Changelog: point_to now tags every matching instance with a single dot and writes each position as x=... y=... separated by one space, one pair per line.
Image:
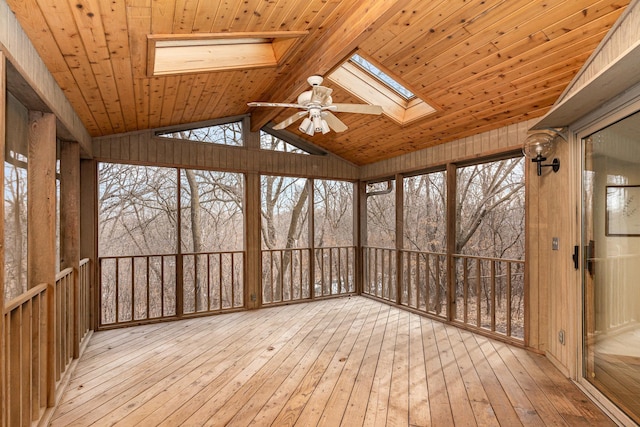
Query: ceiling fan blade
x=334 y=122
x=274 y=104
x=320 y=95
x=291 y=119
x=357 y=108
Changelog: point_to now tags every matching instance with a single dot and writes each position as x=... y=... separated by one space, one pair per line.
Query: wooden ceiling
x=481 y=64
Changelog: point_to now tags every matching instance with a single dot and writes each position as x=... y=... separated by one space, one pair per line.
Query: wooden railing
x=27 y=355
x=84 y=314
x=334 y=271
x=146 y=288
x=489 y=294
x=64 y=320
x=288 y=274
x=424 y=285
x=41 y=342
x=379 y=267
x=213 y=281
x=285 y=275
x=136 y=288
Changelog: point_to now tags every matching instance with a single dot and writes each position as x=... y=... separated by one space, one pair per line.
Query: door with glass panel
x=611 y=273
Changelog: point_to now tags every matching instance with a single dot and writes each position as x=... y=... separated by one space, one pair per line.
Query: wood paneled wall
x=15 y=44
x=146 y=148
x=3 y=108
x=553 y=280
x=481 y=145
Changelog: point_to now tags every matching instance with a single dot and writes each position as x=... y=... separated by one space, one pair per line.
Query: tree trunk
x=196 y=233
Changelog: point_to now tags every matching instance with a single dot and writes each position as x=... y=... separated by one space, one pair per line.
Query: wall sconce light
x=539 y=146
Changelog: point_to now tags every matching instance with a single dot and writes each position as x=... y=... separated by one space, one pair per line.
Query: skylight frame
x=172 y=54
x=365 y=86
x=382 y=77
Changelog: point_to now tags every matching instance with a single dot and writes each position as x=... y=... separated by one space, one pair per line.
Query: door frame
x=609 y=113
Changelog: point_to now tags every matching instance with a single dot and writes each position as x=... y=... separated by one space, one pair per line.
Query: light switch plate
x=555 y=243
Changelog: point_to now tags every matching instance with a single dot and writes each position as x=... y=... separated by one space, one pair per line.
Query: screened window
x=224 y=134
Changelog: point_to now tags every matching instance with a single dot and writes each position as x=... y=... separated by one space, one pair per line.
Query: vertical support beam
x=41 y=223
x=252 y=209
x=179 y=258
x=312 y=238
x=399 y=237
x=70 y=226
x=41 y=208
x=451 y=238
x=252 y=244
x=89 y=231
x=3 y=347
x=360 y=231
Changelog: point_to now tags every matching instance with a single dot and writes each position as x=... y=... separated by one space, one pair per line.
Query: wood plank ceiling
x=481 y=64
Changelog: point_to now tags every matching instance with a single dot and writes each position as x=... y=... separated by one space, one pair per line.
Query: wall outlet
x=561 y=336
x=555 y=244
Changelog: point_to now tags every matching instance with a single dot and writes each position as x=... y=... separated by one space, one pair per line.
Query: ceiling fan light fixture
x=307 y=126
x=325 y=127
x=317 y=123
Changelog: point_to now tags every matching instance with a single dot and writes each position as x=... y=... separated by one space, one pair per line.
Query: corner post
x=41 y=220
x=70 y=226
x=451 y=239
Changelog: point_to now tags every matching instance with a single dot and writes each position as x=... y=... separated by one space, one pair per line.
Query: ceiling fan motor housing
x=315 y=80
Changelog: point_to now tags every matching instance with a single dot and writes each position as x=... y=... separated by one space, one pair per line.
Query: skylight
x=366 y=81
x=198 y=53
x=382 y=76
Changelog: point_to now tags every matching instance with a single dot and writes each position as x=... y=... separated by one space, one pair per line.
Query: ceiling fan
x=317 y=103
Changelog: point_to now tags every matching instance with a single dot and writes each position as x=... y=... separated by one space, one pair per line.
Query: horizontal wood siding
x=146 y=148
x=492 y=142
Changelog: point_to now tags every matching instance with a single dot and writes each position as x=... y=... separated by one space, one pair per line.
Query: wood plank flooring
x=349 y=361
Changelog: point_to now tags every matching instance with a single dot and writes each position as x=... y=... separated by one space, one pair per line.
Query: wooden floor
x=349 y=361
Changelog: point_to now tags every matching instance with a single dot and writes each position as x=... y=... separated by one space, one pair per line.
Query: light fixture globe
x=538 y=147
x=539 y=144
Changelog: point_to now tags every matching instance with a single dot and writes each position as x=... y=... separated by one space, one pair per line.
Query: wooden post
x=399 y=236
x=179 y=259
x=312 y=238
x=252 y=243
x=70 y=226
x=451 y=239
x=89 y=231
x=360 y=231
x=3 y=354
x=41 y=223
x=252 y=240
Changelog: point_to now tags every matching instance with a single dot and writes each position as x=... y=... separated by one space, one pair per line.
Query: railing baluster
x=478 y=293
x=465 y=290
x=427 y=280
x=220 y=281
x=233 y=290
x=148 y=302
x=438 y=296
x=508 y=299
x=162 y=313
x=493 y=296
x=133 y=288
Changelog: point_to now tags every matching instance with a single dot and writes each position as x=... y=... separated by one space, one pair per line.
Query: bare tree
x=15 y=231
